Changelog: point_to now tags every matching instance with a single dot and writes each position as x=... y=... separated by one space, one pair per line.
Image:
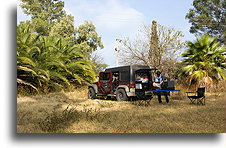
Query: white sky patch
x=187 y=34
x=20 y=14
x=113 y=20
x=110 y=14
x=67 y=11
x=114 y=16
x=108 y=53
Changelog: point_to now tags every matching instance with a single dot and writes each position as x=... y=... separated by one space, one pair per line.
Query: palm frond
x=199 y=74
x=57 y=76
x=25 y=61
x=26 y=69
x=189 y=68
x=19 y=81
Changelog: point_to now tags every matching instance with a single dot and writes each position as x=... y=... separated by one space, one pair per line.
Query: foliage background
x=52 y=54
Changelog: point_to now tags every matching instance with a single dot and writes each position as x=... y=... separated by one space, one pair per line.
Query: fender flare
x=126 y=88
x=94 y=86
x=123 y=87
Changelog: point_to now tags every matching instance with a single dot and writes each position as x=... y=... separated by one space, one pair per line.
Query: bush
x=57 y=121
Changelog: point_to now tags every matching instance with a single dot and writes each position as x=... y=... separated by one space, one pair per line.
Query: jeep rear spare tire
x=121 y=95
x=91 y=93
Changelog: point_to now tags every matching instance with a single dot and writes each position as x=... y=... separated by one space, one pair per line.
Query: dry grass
x=72 y=112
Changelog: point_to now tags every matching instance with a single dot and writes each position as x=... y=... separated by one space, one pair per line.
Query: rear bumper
x=148 y=93
x=133 y=94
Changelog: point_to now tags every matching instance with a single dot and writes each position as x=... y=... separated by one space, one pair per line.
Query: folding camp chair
x=142 y=100
x=199 y=98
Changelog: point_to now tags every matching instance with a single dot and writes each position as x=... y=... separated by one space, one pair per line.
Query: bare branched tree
x=155 y=45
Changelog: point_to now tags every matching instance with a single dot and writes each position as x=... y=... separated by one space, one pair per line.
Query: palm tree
x=204 y=62
x=26 y=72
x=50 y=62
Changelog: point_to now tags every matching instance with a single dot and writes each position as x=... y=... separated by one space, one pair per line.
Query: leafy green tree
x=64 y=27
x=43 y=13
x=50 y=10
x=208 y=17
x=204 y=62
x=41 y=26
x=87 y=37
x=84 y=36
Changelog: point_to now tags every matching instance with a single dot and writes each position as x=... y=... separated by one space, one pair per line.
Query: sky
x=118 y=19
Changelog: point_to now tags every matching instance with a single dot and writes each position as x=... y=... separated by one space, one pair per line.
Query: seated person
x=115 y=81
x=159 y=80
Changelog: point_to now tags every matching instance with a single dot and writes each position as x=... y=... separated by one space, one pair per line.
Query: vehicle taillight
x=132 y=85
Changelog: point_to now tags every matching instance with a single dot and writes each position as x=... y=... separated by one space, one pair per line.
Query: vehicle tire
x=121 y=95
x=91 y=93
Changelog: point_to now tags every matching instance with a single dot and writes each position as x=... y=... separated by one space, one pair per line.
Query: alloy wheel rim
x=120 y=96
x=90 y=93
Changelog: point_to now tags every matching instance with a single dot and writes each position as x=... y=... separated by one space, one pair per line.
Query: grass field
x=72 y=112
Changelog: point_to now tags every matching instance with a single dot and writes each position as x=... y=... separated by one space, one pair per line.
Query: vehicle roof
x=128 y=68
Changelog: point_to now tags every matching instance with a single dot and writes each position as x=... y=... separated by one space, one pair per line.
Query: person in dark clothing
x=115 y=81
x=158 y=81
x=166 y=97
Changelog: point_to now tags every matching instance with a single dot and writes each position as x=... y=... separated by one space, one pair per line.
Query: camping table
x=147 y=102
x=164 y=90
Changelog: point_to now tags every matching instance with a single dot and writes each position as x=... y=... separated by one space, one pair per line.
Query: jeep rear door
x=143 y=80
x=105 y=82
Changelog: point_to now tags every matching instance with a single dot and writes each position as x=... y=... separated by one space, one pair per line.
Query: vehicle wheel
x=121 y=95
x=91 y=93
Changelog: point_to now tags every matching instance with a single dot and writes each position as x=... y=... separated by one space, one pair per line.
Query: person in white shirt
x=158 y=80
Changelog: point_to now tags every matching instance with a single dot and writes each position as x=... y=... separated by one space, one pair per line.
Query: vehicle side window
x=124 y=76
x=104 y=76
